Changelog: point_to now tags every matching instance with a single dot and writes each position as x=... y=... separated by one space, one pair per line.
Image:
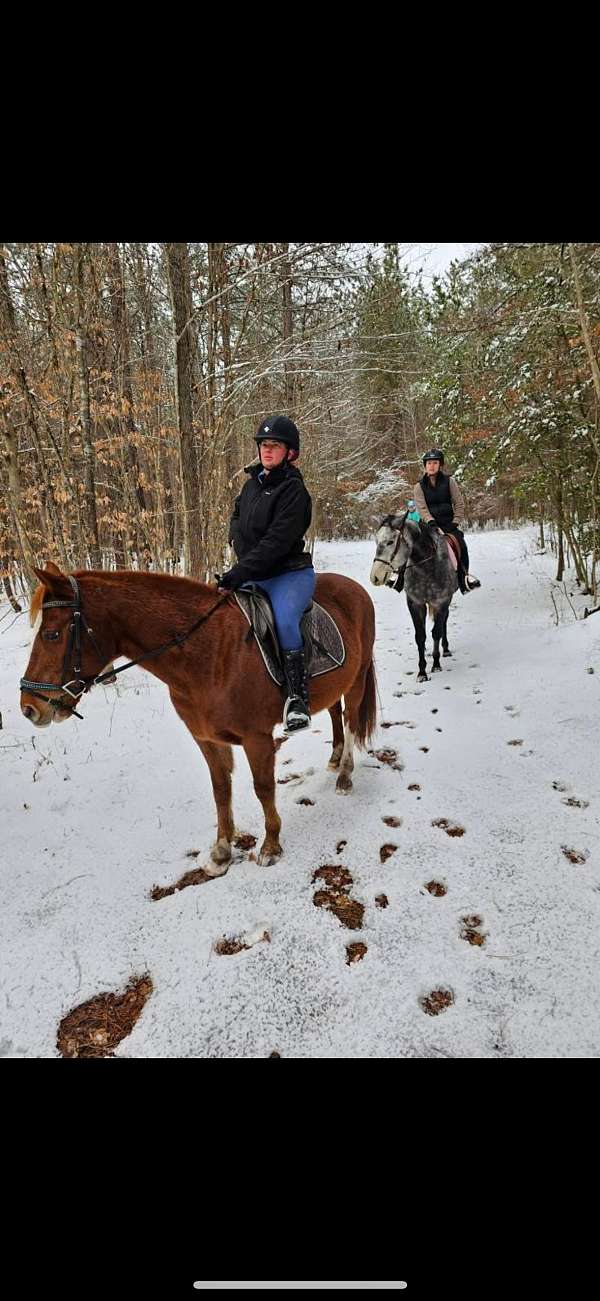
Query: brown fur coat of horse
x=216 y=679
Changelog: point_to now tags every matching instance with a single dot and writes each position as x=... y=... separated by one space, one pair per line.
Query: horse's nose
x=30 y=712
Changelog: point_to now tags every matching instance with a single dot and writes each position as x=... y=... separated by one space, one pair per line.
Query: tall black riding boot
x=296 y=711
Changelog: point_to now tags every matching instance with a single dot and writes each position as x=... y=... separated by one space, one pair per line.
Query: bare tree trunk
x=181 y=297
x=123 y=375
x=288 y=327
x=89 y=460
x=8 y=327
x=15 y=504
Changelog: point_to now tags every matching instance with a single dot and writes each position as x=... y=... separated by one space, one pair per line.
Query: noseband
x=72 y=660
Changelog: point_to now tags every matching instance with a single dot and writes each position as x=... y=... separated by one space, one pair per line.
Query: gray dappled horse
x=430 y=578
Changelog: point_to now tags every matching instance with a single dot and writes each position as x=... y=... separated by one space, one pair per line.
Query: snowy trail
x=96 y=813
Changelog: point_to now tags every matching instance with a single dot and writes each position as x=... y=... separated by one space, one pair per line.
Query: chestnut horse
x=216 y=678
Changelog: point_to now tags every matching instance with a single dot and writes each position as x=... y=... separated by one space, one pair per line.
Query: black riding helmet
x=434 y=454
x=281 y=430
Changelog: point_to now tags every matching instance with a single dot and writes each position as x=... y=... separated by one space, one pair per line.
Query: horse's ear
x=54 y=580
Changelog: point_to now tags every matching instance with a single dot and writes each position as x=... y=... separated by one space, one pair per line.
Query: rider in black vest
x=440 y=504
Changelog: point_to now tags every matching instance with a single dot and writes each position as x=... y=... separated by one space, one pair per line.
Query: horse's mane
x=145 y=579
x=36 y=603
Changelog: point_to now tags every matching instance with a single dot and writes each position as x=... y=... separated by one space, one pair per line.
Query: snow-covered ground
x=95 y=813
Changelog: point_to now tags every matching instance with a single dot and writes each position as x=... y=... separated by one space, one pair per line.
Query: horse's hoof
x=447 y=652
x=343 y=785
x=269 y=855
x=217 y=869
x=436 y=668
x=221 y=856
x=422 y=677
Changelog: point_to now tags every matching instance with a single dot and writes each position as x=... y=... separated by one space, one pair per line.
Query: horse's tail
x=367 y=710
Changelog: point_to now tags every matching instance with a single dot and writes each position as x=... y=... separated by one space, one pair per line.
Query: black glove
x=432 y=524
x=231 y=579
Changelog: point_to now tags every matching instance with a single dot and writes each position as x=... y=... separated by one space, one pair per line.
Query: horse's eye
x=50 y=636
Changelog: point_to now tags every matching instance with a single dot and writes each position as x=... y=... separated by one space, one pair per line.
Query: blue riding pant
x=289 y=595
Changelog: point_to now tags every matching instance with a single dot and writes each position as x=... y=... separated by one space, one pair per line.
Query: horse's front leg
x=220 y=762
x=260 y=752
x=418 y=614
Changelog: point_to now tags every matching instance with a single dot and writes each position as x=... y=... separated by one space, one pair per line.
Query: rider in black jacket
x=270 y=517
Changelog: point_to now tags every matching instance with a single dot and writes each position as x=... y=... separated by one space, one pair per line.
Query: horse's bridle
x=74 y=651
x=390 y=562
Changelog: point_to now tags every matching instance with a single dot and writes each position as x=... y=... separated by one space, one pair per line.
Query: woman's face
x=272 y=453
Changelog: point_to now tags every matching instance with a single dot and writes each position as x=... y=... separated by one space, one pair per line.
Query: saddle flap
x=322 y=640
x=453 y=549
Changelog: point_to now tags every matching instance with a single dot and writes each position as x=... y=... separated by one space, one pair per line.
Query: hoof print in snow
x=348 y=911
x=392 y=821
x=471 y=929
x=355 y=952
x=291 y=777
x=436 y=888
x=197 y=876
x=437 y=1001
x=414 y=787
x=95 y=1028
x=449 y=828
x=386 y=851
x=388 y=756
x=304 y=800
x=435 y=711
x=575 y=855
x=244 y=841
x=333 y=874
x=382 y=900
x=574 y=803
x=517 y=742
x=341 y=844
x=229 y=945
x=559 y=786
x=424 y=748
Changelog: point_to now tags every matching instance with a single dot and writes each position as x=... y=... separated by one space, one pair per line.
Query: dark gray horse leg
x=446 y=648
x=439 y=631
x=417 y=614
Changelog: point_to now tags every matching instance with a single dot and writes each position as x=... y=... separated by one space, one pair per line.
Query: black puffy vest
x=438 y=498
